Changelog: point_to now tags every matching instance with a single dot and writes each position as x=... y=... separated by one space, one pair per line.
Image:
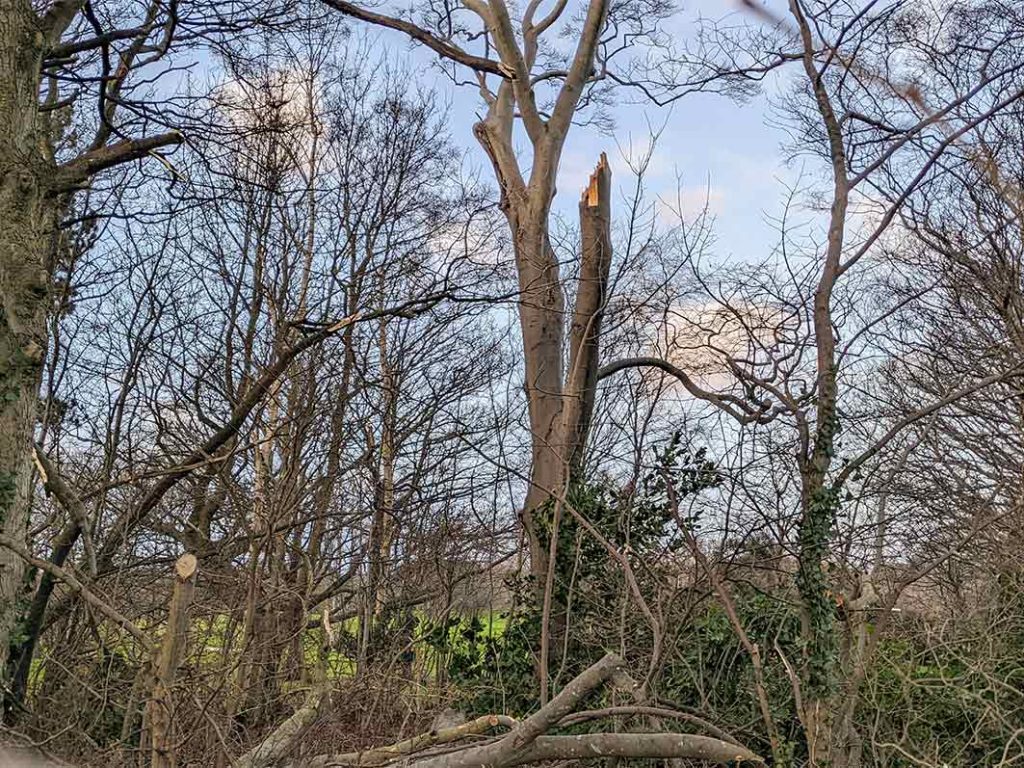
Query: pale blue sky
x=717 y=149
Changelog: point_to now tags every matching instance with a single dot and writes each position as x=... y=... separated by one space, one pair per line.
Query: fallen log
x=528 y=742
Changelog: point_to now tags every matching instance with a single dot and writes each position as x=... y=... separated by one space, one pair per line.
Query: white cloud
x=702 y=338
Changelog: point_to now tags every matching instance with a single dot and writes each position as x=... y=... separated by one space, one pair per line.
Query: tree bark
x=541 y=319
x=21 y=654
x=28 y=215
x=283 y=739
x=588 y=310
x=560 y=400
x=158 y=731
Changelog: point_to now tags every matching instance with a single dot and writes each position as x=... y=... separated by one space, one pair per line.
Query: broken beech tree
x=557 y=395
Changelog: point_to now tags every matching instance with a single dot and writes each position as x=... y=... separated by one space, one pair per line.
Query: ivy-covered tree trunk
x=818 y=618
x=27 y=229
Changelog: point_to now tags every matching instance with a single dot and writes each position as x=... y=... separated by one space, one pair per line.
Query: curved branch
x=890 y=434
x=657 y=712
x=253 y=398
x=730 y=404
x=442 y=48
x=78 y=587
x=63 y=50
x=79 y=170
x=54 y=483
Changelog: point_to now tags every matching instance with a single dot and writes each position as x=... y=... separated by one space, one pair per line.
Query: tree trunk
x=383 y=525
x=22 y=653
x=27 y=227
x=541 y=318
x=588 y=311
x=158 y=730
x=560 y=400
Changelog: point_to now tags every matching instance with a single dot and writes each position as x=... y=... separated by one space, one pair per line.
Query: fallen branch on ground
x=528 y=742
x=382 y=755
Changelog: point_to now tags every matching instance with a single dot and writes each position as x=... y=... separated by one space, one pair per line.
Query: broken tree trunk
x=158 y=728
x=588 y=310
x=578 y=394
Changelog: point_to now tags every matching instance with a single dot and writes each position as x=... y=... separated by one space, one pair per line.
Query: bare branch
x=732 y=405
x=442 y=48
x=79 y=588
x=78 y=171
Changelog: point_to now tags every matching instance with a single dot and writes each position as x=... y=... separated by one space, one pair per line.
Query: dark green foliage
x=497 y=670
x=710 y=672
x=951 y=695
x=954 y=695
x=491 y=664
